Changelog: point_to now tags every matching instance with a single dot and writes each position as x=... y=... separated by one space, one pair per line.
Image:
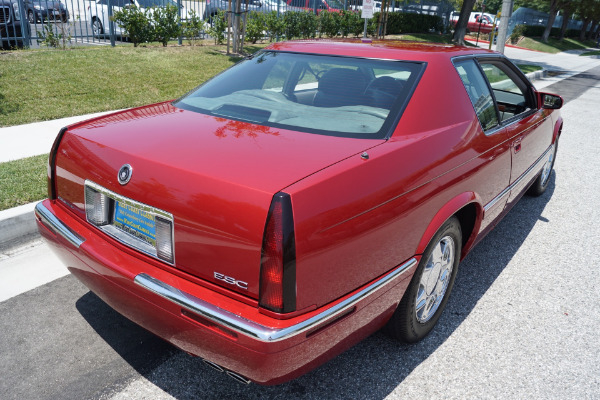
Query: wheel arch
x=558 y=125
x=469 y=211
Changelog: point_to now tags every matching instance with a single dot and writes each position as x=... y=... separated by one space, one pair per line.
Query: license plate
x=135 y=222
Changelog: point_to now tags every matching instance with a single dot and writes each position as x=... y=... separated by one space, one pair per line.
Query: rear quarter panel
x=359 y=218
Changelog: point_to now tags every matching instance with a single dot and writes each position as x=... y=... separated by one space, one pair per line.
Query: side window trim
x=519 y=74
x=496 y=128
x=497 y=59
x=491 y=89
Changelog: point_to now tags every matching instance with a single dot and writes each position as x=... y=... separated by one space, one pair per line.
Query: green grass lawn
x=22 y=181
x=527 y=68
x=423 y=37
x=554 y=45
x=39 y=85
x=591 y=53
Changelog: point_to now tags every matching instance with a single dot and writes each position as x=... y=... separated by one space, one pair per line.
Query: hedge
x=399 y=22
x=538 y=31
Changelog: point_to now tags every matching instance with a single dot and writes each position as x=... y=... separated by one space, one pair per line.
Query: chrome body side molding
x=256 y=330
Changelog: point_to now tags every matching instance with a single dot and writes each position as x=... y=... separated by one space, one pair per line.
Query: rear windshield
x=336 y=96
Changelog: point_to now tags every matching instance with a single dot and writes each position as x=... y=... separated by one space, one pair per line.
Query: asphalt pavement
x=521 y=323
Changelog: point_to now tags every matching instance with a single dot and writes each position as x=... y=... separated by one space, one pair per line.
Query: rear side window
x=335 y=96
x=479 y=93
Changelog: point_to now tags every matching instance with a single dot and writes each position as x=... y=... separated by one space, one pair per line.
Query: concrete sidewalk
x=17 y=225
x=33 y=139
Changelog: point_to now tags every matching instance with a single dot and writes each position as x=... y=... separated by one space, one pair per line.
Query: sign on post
x=367 y=13
x=367 y=9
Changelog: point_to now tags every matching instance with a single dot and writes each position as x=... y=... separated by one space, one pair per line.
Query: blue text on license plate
x=136 y=222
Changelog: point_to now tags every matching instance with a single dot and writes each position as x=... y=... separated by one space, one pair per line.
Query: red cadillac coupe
x=301 y=200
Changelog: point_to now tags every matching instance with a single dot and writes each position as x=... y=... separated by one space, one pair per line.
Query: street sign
x=367 y=9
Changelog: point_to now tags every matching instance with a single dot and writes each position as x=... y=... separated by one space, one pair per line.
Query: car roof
x=384 y=49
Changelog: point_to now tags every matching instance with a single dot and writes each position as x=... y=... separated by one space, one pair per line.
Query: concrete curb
x=535 y=75
x=17 y=226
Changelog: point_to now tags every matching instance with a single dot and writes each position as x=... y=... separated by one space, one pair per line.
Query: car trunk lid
x=216 y=176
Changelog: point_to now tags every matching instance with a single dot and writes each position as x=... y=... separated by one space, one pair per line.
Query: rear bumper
x=200 y=321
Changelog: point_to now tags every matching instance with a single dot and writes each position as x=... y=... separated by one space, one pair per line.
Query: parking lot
x=522 y=320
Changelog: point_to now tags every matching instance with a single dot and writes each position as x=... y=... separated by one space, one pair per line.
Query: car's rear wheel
x=97 y=27
x=540 y=185
x=428 y=292
x=31 y=17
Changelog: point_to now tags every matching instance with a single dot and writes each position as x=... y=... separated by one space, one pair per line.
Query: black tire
x=31 y=17
x=409 y=323
x=540 y=184
x=97 y=28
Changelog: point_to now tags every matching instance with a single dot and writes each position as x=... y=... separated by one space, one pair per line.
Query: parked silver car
x=99 y=13
x=264 y=6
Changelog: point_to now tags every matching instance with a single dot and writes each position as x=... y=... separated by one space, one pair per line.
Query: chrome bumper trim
x=251 y=328
x=526 y=175
x=57 y=226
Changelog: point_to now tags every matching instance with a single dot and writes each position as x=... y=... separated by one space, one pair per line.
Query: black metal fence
x=36 y=23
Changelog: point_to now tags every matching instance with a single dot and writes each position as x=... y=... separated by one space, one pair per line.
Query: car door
x=492 y=145
x=528 y=127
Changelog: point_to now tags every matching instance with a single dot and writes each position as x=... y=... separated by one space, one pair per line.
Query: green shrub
x=351 y=23
x=329 y=23
x=358 y=25
x=273 y=25
x=538 y=31
x=291 y=24
x=49 y=38
x=219 y=25
x=136 y=24
x=55 y=35
x=411 y=23
x=308 y=25
x=255 y=26
x=166 y=23
x=193 y=27
x=516 y=34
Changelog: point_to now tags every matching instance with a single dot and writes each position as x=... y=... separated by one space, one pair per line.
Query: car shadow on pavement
x=370 y=370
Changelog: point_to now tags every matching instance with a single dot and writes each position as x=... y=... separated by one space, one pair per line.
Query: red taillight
x=278 y=261
x=52 y=165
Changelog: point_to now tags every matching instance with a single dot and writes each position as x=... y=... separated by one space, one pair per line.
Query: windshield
x=336 y=96
x=156 y=3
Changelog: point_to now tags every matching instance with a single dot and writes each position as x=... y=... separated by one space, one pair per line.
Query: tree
x=493 y=6
x=554 y=7
x=461 y=25
x=589 y=13
x=567 y=13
